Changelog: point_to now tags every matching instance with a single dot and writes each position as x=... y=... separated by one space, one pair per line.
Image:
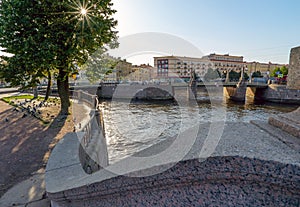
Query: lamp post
x=243 y=72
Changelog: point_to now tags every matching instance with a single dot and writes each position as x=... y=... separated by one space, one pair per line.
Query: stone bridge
x=236 y=91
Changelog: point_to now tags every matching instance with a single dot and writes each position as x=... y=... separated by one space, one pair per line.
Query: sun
x=83 y=11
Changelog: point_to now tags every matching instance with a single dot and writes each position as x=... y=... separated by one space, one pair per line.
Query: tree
x=21 y=36
x=275 y=72
x=211 y=74
x=246 y=76
x=100 y=64
x=283 y=70
x=234 y=76
x=97 y=67
x=50 y=35
x=256 y=74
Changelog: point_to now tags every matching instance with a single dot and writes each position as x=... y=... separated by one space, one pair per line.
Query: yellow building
x=226 y=62
x=264 y=68
x=141 y=73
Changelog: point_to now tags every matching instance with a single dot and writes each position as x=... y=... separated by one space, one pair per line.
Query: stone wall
x=294 y=69
x=281 y=94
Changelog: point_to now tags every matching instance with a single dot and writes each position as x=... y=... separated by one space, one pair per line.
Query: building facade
x=264 y=68
x=226 y=62
x=142 y=73
x=181 y=67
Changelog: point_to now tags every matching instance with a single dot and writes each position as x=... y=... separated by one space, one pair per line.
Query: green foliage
x=234 y=76
x=246 y=76
x=257 y=74
x=283 y=70
x=211 y=74
x=99 y=65
x=21 y=36
x=273 y=73
x=50 y=35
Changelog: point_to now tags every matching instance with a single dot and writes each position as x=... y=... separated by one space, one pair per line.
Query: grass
x=11 y=100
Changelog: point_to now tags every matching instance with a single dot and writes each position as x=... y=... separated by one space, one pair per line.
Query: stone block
x=288 y=122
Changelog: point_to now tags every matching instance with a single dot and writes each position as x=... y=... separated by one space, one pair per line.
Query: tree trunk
x=48 y=90
x=63 y=91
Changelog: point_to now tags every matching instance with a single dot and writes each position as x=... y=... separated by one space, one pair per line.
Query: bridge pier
x=256 y=94
x=237 y=93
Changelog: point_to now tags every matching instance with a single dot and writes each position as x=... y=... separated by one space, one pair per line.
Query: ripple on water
x=133 y=127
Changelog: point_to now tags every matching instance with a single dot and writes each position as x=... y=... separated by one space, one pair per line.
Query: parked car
x=272 y=80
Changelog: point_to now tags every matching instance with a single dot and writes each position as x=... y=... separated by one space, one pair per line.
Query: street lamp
x=243 y=72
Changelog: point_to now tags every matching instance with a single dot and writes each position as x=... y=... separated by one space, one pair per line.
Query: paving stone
x=25 y=192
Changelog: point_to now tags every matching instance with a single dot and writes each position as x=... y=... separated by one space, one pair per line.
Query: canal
x=133 y=126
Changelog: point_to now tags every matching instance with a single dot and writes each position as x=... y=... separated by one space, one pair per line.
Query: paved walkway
x=29 y=193
x=25 y=145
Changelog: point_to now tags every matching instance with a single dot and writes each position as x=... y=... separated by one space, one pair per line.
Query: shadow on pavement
x=25 y=144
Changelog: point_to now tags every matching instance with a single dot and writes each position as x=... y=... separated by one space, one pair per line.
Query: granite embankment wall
x=219 y=181
x=275 y=93
x=92 y=152
x=246 y=169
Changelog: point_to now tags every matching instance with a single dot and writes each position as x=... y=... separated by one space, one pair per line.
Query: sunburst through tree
x=53 y=35
x=84 y=12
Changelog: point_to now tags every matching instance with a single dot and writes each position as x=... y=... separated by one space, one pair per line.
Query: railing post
x=79 y=96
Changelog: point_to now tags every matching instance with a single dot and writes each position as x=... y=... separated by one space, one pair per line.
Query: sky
x=259 y=30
